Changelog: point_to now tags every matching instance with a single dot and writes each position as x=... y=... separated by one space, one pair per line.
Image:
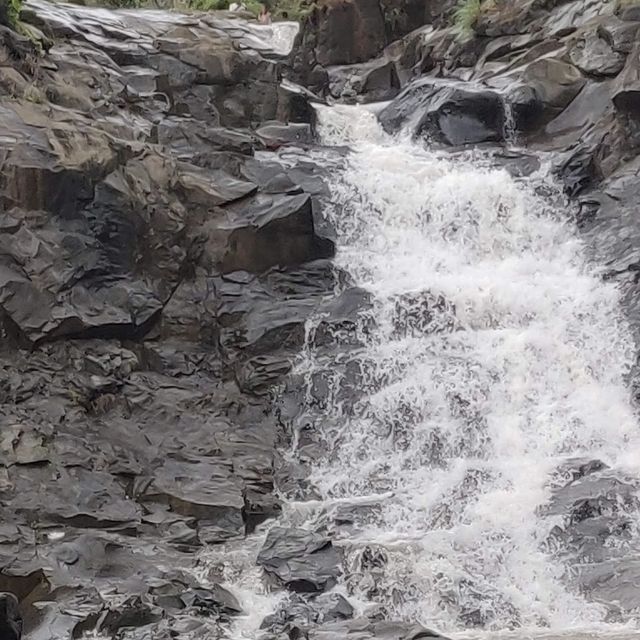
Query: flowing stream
x=494 y=354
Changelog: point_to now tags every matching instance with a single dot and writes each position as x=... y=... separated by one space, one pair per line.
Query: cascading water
x=493 y=354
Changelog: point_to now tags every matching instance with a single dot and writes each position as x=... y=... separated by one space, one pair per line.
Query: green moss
x=33 y=94
x=209 y=5
x=465 y=17
x=10 y=13
x=291 y=9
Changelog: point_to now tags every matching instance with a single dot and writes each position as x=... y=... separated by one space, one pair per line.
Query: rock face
x=10 y=618
x=301 y=560
x=155 y=280
x=348 y=32
x=450 y=113
x=158 y=274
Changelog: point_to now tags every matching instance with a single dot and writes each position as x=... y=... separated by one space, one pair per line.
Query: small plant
x=466 y=16
x=33 y=94
x=10 y=13
x=209 y=5
x=123 y=4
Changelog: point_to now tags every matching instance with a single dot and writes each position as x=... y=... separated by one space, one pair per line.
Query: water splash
x=453 y=427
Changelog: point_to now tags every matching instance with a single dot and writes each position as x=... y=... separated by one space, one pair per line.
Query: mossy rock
x=10 y=13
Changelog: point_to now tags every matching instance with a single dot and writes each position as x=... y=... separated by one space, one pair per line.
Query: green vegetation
x=209 y=5
x=10 y=13
x=466 y=16
x=292 y=9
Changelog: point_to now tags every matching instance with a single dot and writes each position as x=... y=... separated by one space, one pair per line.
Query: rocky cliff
x=156 y=277
x=157 y=271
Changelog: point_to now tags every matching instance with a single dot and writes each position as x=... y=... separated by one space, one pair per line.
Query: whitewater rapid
x=493 y=354
x=461 y=425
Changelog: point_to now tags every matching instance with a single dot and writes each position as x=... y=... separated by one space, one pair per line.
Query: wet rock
x=613 y=235
x=593 y=54
x=275 y=135
x=216 y=600
x=346 y=32
x=189 y=141
x=422 y=313
x=301 y=560
x=296 y=103
x=373 y=81
x=364 y=629
x=351 y=32
x=132 y=613
x=619 y=35
x=447 y=112
x=301 y=612
x=459 y=117
x=626 y=93
x=10 y=618
x=273 y=231
x=283 y=308
x=204 y=490
x=595 y=539
x=525 y=106
x=554 y=82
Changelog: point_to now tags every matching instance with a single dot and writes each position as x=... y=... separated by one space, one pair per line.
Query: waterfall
x=496 y=354
x=493 y=356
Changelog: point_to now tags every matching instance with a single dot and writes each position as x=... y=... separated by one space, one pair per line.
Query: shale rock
x=301 y=560
x=132 y=433
x=447 y=112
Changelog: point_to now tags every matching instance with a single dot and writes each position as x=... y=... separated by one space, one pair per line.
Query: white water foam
x=447 y=450
x=457 y=430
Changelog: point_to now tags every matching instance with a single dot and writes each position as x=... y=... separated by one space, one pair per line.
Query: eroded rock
x=301 y=560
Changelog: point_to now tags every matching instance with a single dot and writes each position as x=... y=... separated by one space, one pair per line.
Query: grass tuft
x=466 y=16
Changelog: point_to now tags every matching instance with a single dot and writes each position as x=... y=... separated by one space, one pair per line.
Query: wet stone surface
x=161 y=273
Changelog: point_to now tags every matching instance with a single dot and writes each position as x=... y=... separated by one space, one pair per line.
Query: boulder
x=592 y=54
x=619 y=35
x=597 y=506
x=345 y=31
x=366 y=629
x=373 y=81
x=301 y=560
x=272 y=230
x=555 y=82
x=348 y=32
x=447 y=112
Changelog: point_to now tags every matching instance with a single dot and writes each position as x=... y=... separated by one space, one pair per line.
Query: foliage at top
x=466 y=16
x=10 y=13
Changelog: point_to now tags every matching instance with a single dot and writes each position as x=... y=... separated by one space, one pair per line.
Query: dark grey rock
x=447 y=112
x=555 y=83
x=593 y=54
x=364 y=629
x=301 y=560
x=619 y=35
x=10 y=618
x=626 y=93
x=373 y=81
x=275 y=134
